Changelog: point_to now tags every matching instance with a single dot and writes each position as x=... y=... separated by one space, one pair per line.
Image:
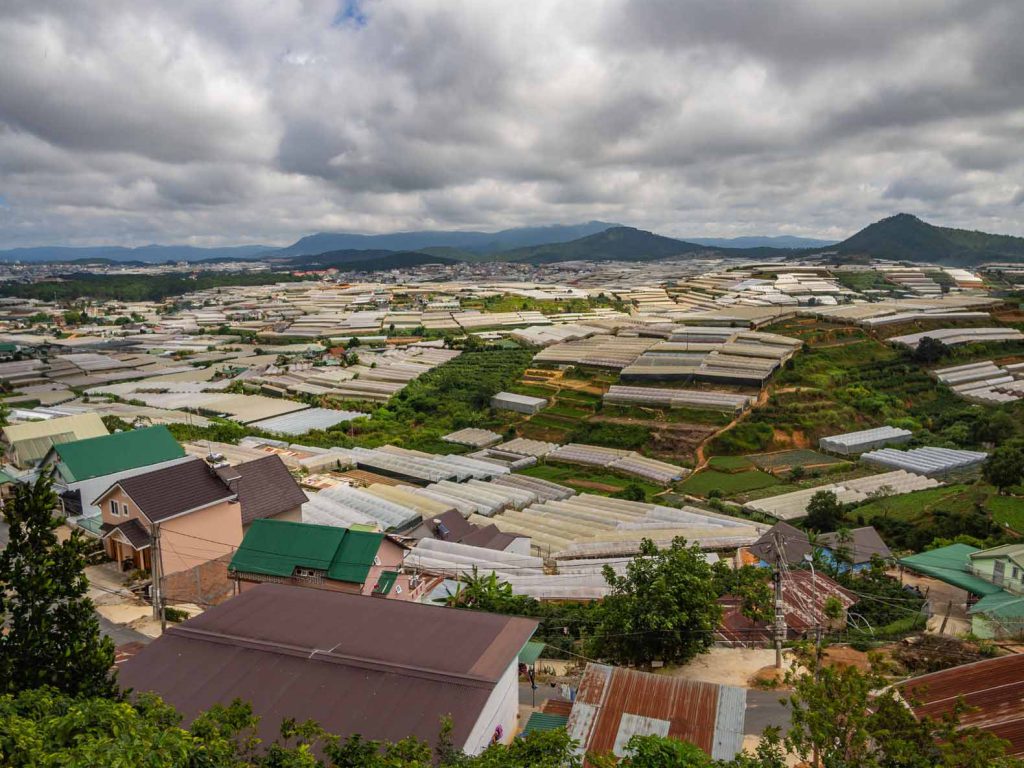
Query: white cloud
x=138 y=121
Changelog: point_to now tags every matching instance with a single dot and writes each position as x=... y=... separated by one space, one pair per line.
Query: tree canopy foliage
x=51 y=632
x=663 y=608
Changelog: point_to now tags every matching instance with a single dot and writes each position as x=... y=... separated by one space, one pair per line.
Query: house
x=853 y=549
x=85 y=468
x=266 y=490
x=323 y=556
x=614 y=704
x=804 y=598
x=28 y=442
x=781 y=539
x=991 y=689
x=181 y=518
x=1002 y=566
x=848 y=550
x=452 y=526
x=384 y=669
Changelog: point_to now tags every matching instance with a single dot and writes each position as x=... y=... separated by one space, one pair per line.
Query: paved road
x=121 y=635
x=544 y=692
x=764 y=709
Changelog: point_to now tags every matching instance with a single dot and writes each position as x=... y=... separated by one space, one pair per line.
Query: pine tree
x=53 y=635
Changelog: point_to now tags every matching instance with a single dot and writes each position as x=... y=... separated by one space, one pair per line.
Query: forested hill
x=906 y=237
x=615 y=244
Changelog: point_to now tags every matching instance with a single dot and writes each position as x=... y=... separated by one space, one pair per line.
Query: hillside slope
x=471 y=242
x=906 y=237
x=615 y=244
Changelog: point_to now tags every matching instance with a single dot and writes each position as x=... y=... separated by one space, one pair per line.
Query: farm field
x=588 y=479
x=800 y=457
x=727 y=483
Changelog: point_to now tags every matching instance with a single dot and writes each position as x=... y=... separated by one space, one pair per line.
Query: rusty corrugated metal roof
x=803 y=598
x=993 y=689
x=614 y=704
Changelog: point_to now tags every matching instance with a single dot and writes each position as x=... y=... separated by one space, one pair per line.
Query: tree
x=46 y=728
x=824 y=512
x=751 y=585
x=664 y=607
x=929 y=350
x=1004 y=467
x=52 y=635
x=993 y=428
x=632 y=492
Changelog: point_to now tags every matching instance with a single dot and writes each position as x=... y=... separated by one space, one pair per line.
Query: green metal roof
x=354 y=557
x=278 y=547
x=385 y=583
x=949 y=564
x=1002 y=605
x=120 y=451
x=543 y=721
x=531 y=652
x=6 y=479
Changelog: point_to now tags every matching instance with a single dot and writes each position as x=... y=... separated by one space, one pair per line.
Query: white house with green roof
x=1002 y=566
x=83 y=469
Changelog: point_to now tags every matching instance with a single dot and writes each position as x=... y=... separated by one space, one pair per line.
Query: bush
x=175 y=615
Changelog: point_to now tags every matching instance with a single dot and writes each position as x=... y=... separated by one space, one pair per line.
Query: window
x=114 y=510
x=376 y=560
x=398 y=589
x=998 y=572
x=1016 y=572
x=305 y=573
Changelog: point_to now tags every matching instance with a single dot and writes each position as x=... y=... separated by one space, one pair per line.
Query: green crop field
x=588 y=479
x=800 y=457
x=730 y=463
x=729 y=484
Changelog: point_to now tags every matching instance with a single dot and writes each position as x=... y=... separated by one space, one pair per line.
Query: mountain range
x=902 y=237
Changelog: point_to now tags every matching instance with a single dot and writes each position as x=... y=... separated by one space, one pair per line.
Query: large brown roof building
x=384 y=669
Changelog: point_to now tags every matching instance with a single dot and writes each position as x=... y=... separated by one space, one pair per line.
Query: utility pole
x=157 y=570
x=780 y=612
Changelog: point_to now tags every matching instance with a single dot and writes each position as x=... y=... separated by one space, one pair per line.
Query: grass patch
x=800 y=457
x=1007 y=511
x=729 y=463
x=910 y=506
x=568 y=411
x=579 y=478
x=729 y=484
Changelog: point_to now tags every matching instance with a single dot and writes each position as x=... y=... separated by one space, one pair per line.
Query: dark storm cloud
x=150 y=120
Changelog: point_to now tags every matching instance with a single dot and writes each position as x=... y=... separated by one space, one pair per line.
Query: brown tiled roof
x=265 y=488
x=132 y=530
x=168 y=492
x=462 y=531
x=385 y=669
x=489 y=537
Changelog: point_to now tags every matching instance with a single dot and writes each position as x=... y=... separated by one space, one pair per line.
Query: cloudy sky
x=174 y=121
